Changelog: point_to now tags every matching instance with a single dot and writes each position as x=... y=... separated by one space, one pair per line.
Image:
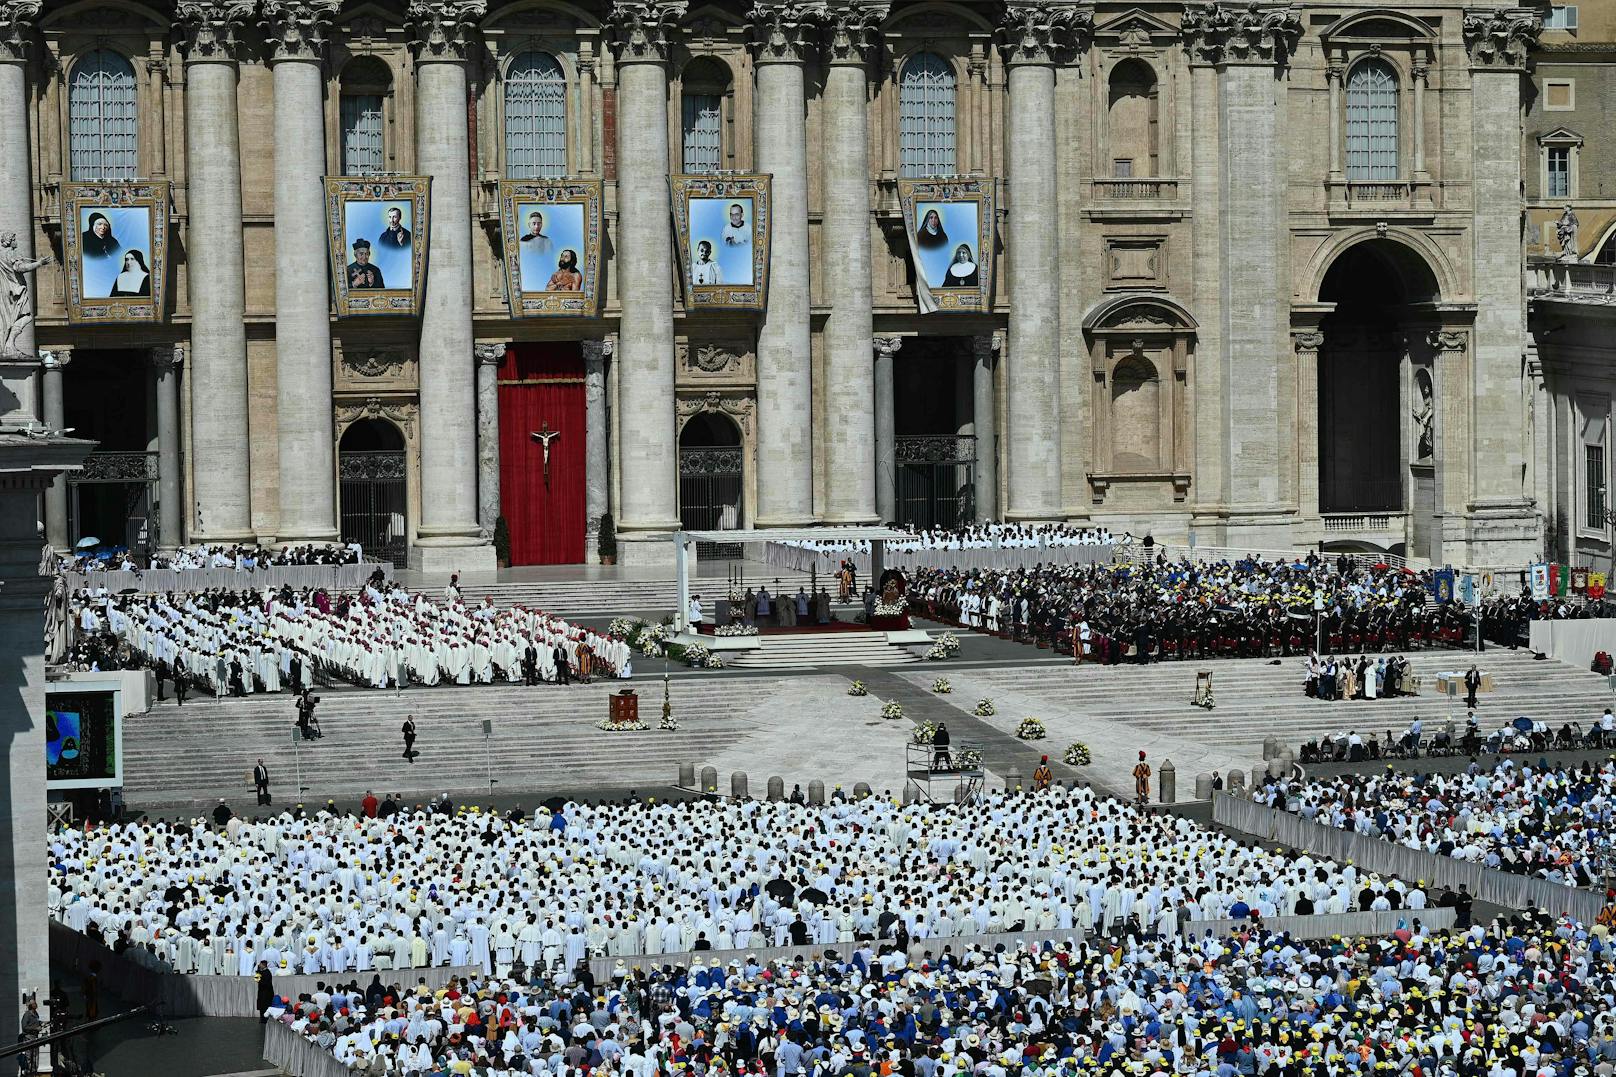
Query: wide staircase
x=809 y=649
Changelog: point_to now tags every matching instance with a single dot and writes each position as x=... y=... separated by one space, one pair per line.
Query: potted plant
x=606 y=542
x=502 y=542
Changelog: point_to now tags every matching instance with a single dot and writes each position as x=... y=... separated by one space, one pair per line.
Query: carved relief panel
x=381 y=367
x=712 y=362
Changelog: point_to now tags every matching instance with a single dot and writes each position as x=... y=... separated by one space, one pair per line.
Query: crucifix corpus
x=544 y=435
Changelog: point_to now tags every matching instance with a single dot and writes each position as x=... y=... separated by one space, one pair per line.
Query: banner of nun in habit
x=377 y=232
x=552 y=247
x=950 y=228
x=722 y=226
x=115 y=244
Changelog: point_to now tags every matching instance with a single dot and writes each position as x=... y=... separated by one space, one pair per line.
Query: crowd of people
x=1181 y=609
x=241 y=642
x=984 y=536
x=1330 y=678
x=243 y=557
x=1552 y=821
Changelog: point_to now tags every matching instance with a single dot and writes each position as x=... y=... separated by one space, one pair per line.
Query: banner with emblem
x=377 y=229
x=949 y=222
x=1540 y=581
x=551 y=231
x=115 y=245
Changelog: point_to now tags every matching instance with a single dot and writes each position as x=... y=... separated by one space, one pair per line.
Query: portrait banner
x=377 y=229
x=722 y=226
x=552 y=232
x=115 y=245
x=949 y=221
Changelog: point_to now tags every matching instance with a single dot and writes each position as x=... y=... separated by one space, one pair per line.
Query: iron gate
x=936 y=480
x=115 y=490
x=374 y=505
x=710 y=497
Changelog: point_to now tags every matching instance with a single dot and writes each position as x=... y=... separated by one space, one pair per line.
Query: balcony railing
x=1135 y=188
x=1572 y=282
x=1358 y=521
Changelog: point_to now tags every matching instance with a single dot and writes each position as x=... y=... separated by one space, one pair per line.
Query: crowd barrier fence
x=163 y=580
x=1385 y=858
x=801 y=559
x=294 y=1053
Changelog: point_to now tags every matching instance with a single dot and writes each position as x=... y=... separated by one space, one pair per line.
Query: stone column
x=1451 y=381
x=597 y=441
x=52 y=363
x=488 y=357
x=449 y=538
x=987 y=435
x=308 y=464
x=648 y=448
x=216 y=277
x=1421 y=73
x=1333 y=75
x=167 y=360
x=849 y=375
x=18 y=393
x=782 y=31
x=1033 y=38
x=886 y=427
x=1307 y=343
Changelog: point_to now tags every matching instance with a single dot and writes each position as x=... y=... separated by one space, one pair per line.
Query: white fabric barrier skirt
x=799 y=559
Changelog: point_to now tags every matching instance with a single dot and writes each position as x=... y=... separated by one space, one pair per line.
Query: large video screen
x=81 y=739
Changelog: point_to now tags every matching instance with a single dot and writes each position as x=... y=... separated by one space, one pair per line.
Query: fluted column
x=168 y=360
x=1033 y=36
x=449 y=538
x=886 y=430
x=52 y=364
x=597 y=441
x=987 y=432
x=488 y=357
x=782 y=35
x=849 y=374
x=644 y=265
x=216 y=278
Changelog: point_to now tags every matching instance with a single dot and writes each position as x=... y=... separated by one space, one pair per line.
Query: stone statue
x=1424 y=419
x=16 y=308
x=1565 y=230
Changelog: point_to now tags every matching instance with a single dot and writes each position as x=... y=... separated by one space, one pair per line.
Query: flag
x=1540 y=581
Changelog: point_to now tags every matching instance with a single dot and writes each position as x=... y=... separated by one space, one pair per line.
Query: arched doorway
x=710 y=480
x=1364 y=456
x=373 y=468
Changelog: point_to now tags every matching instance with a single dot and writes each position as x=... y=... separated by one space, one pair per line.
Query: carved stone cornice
x=1501 y=39
x=296 y=29
x=737 y=406
x=444 y=29
x=850 y=26
x=1216 y=32
x=403 y=413
x=207 y=28
x=167 y=357
x=1447 y=340
x=1043 y=31
x=784 y=30
x=16 y=29
x=640 y=28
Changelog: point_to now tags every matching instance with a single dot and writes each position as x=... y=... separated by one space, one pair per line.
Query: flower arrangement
x=625 y=628
x=949 y=642
x=968 y=759
x=696 y=656
x=938 y=652
x=1030 y=729
x=736 y=630
x=924 y=733
x=941 y=686
x=890 y=609
x=714 y=662
x=984 y=708
x=1077 y=754
x=893 y=710
x=621 y=727
x=668 y=721
x=857 y=689
x=737 y=595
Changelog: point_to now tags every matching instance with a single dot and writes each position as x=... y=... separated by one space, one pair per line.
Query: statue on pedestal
x=1565 y=230
x=16 y=307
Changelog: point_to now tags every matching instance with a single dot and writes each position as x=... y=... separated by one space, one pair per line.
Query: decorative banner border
x=128 y=203
x=951 y=190
x=344 y=192
x=689 y=191
x=515 y=199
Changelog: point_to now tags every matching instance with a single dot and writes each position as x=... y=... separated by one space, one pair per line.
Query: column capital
x=489 y=353
x=167 y=357
x=16 y=29
x=640 y=28
x=1218 y=32
x=597 y=351
x=1043 y=31
x=1500 y=40
x=983 y=345
x=443 y=29
x=887 y=347
x=296 y=28
x=784 y=30
x=1307 y=340
x=849 y=26
x=207 y=28
x=1447 y=340
x=56 y=357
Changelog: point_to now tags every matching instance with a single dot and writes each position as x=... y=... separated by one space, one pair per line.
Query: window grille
x=535 y=117
x=1372 y=149
x=102 y=127
x=926 y=116
x=703 y=132
x=362 y=147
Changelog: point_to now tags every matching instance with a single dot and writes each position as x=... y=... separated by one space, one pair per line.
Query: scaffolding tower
x=953 y=775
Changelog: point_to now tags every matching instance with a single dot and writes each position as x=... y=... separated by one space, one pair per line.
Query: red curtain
x=541 y=387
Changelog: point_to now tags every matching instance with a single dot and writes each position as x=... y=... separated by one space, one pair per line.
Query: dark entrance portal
x=935 y=450
x=374 y=500
x=710 y=481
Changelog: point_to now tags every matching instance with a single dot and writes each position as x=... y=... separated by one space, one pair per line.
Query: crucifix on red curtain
x=544 y=435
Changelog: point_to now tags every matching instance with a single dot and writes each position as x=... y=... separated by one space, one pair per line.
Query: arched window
x=926 y=116
x=102 y=128
x=1372 y=122
x=366 y=85
x=535 y=117
x=1134 y=122
x=704 y=89
x=1135 y=415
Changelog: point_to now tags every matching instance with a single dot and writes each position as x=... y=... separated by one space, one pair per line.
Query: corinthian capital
x=296 y=28
x=783 y=30
x=1043 y=31
x=208 y=28
x=443 y=29
x=1218 y=32
x=16 y=28
x=1501 y=38
x=640 y=28
x=850 y=29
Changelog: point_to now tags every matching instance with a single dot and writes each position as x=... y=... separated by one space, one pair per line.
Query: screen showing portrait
x=81 y=738
x=721 y=241
x=380 y=242
x=551 y=246
x=115 y=247
x=946 y=237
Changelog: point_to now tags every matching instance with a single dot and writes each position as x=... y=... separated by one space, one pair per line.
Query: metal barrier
x=294 y=1053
